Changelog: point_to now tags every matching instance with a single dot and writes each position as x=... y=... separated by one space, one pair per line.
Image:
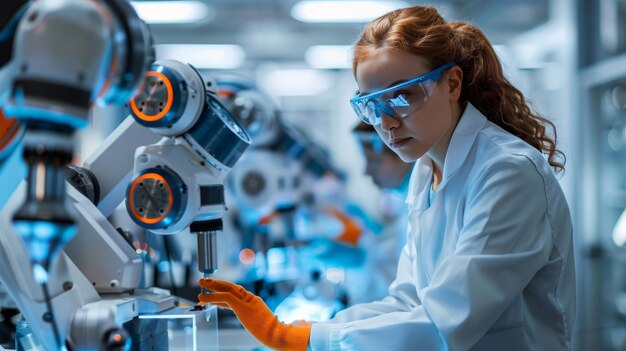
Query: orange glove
x=351 y=231
x=255 y=316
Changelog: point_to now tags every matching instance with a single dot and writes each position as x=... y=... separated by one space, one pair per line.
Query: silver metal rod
x=207 y=252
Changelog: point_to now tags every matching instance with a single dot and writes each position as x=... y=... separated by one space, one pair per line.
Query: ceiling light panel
x=160 y=12
x=343 y=11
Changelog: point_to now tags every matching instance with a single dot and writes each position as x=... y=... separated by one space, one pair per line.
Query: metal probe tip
x=206 y=275
x=199 y=306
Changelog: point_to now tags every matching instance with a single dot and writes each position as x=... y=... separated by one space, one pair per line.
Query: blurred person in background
x=383 y=247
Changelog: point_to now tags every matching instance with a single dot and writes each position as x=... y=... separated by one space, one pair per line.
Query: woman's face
x=414 y=135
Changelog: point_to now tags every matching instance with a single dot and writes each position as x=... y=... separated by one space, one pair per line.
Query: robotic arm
x=186 y=142
x=173 y=183
x=178 y=182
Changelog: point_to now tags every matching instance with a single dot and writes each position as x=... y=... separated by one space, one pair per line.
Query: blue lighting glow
x=163 y=266
x=43 y=240
x=40 y=274
x=39 y=250
x=297 y=307
x=27 y=113
x=276 y=256
x=67 y=234
x=43 y=230
x=12 y=171
x=22 y=228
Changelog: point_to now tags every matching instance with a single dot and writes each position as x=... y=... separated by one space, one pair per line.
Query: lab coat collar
x=463 y=137
x=420 y=178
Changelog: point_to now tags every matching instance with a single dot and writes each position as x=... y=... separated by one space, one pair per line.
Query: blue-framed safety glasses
x=399 y=100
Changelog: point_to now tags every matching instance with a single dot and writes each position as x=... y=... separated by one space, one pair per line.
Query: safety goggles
x=399 y=100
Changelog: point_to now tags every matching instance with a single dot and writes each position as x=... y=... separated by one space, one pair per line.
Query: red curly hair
x=422 y=31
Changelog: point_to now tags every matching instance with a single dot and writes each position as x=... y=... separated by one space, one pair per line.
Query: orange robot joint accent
x=132 y=194
x=168 y=104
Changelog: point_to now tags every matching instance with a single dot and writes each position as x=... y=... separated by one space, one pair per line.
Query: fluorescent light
x=172 y=11
x=223 y=56
x=343 y=11
x=329 y=56
x=296 y=82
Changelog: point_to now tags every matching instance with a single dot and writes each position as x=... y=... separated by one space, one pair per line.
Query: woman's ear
x=454 y=78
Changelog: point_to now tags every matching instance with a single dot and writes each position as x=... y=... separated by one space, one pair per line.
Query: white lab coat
x=488 y=266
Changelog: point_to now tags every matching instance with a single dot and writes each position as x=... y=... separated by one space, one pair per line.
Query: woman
x=489 y=262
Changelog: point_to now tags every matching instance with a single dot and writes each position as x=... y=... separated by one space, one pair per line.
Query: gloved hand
x=351 y=230
x=255 y=316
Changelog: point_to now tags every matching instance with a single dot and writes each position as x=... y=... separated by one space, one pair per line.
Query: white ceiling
x=268 y=33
